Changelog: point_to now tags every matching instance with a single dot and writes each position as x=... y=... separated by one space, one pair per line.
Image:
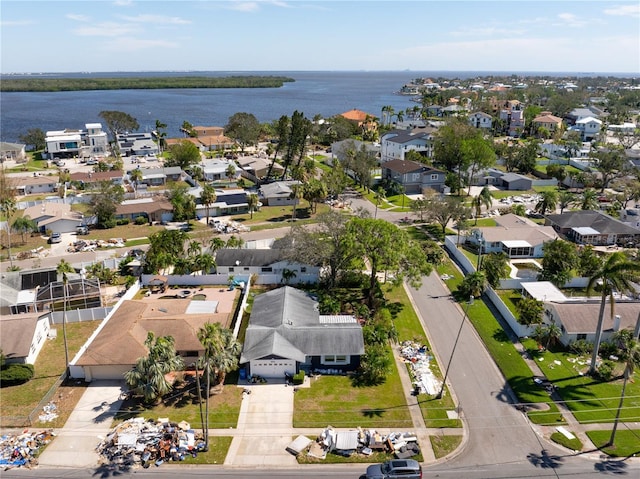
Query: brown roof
x=403 y=166
x=208 y=130
x=356 y=115
x=159 y=203
x=35 y=180
x=48 y=209
x=582 y=318
x=547 y=119
x=121 y=341
x=17 y=334
x=96 y=176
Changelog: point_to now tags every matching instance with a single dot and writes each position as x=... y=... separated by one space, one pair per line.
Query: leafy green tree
x=496 y=267
x=360 y=161
x=336 y=180
x=433 y=252
x=556 y=171
x=589 y=262
x=374 y=366
x=24 y=224
x=314 y=191
x=148 y=378
x=610 y=164
x=617 y=273
x=530 y=311
x=479 y=154
x=548 y=201
x=208 y=197
x=118 y=122
x=184 y=205
x=164 y=248
x=451 y=150
x=525 y=157
x=64 y=268
x=35 y=138
x=420 y=206
x=244 y=128
x=444 y=210
x=184 y=154
x=559 y=260
x=473 y=284
x=105 y=203
x=230 y=172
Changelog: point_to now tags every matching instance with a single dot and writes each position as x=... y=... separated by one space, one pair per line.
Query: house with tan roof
x=31 y=185
x=119 y=341
x=156 y=209
x=23 y=336
x=91 y=179
x=54 y=217
x=548 y=121
x=514 y=235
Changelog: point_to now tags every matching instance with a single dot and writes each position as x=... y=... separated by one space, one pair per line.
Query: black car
x=395 y=469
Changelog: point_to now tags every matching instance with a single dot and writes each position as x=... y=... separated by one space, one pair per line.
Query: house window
x=246 y=268
x=581 y=336
x=267 y=269
x=434 y=177
x=335 y=359
x=231 y=270
x=303 y=269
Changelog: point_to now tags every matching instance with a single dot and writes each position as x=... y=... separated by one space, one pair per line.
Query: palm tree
x=136 y=177
x=234 y=242
x=64 y=268
x=632 y=359
x=161 y=135
x=288 y=275
x=215 y=244
x=483 y=199
x=203 y=263
x=296 y=193
x=8 y=208
x=473 y=284
x=547 y=202
x=221 y=354
x=208 y=197
x=565 y=200
x=24 y=224
x=589 y=200
x=553 y=333
x=616 y=273
x=230 y=172
x=252 y=202
x=379 y=196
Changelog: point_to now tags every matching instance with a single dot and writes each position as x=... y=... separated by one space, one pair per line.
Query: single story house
x=278 y=193
x=516 y=181
x=119 y=342
x=229 y=201
x=579 y=320
x=54 y=217
x=414 y=177
x=160 y=176
x=264 y=262
x=31 y=185
x=12 y=151
x=286 y=333
x=514 y=235
x=22 y=337
x=91 y=179
x=593 y=227
x=216 y=170
x=480 y=119
x=257 y=167
x=155 y=210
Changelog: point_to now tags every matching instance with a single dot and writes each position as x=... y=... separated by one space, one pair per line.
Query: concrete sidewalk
x=75 y=444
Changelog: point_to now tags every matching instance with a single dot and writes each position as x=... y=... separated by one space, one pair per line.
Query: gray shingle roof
x=597 y=220
x=248 y=257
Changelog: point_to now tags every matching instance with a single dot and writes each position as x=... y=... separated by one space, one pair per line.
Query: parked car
x=55 y=238
x=58 y=163
x=92 y=161
x=82 y=230
x=395 y=469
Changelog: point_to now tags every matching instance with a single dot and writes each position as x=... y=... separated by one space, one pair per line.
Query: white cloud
x=624 y=10
x=16 y=23
x=488 y=31
x=156 y=19
x=77 y=17
x=570 y=20
x=106 y=29
x=123 y=3
x=244 y=6
x=131 y=44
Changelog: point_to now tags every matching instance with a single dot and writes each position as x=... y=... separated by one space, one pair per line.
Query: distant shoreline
x=33 y=84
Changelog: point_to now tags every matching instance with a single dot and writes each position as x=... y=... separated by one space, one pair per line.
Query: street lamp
x=446 y=373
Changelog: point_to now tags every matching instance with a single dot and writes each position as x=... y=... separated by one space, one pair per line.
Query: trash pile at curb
x=424 y=381
x=142 y=442
x=19 y=450
x=49 y=412
x=365 y=442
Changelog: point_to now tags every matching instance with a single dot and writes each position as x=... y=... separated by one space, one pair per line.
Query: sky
x=297 y=35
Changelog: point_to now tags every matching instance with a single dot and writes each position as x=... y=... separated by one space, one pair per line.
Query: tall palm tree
x=589 y=199
x=161 y=135
x=632 y=359
x=8 y=208
x=616 y=273
x=547 y=202
x=208 y=197
x=565 y=200
x=379 y=196
x=252 y=202
x=63 y=269
x=483 y=199
x=215 y=244
x=136 y=177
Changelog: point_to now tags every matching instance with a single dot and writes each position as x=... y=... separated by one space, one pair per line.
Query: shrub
x=581 y=346
x=298 y=378
x=608 y=349
x=122 y=222
x=140 y=220
x=14 y=374
x=605 y=370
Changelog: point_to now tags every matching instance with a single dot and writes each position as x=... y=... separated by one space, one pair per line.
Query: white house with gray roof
x=287 y=333
x=278 y=193
x=395 y=144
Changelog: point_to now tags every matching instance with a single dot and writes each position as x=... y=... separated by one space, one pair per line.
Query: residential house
x=513 y=118
x=480 y=119
x=278 y=193
x=95 y=139
x=516 y=236
x=255 y=168
x=212 y=138
x=286 y=333
x=31 y=185
x=12 y=151
x=592 y=227
x=414 y=177
x=23 y=336
x=119 y=342
x=92 y=179
x=547 y=121
x=362 y=119
x=396 y=143
x=216 y=170
x=578 y=321
x=271 y=262
x=155 y=210
x=54 y=217
x=137 y=144
x=229 y=201
x=434 y=111
x=63 y=143
x=579 y=114
x=453 y=110
x=160 y=176
x=516 y=181
x=588 y=128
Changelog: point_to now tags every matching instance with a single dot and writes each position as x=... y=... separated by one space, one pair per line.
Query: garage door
x=273 y=368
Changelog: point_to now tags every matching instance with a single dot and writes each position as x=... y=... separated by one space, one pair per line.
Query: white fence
x=223 y=279
x=79 y=315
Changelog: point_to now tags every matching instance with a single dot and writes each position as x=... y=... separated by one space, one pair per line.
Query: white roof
x=589 y=119
x=64 y=138
x=202 y=307
x=93 y=125
x=26 y=296
x=516 y=244
x=585 y=230
x=336 y=319
x=544 y=291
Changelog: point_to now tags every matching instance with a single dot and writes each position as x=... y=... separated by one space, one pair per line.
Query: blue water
x=323 y=93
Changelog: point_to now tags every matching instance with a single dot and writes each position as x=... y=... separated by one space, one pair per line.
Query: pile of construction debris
x=20 y=450
x=141 y=442
x=365 y=442
x=417 y=355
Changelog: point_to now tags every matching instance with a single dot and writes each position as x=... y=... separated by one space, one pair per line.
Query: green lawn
x=626 y=444
x=482 y=222
x=335 y=400
x=218 y=448
x=510 y=297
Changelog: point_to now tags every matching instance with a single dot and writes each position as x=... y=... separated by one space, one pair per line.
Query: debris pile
x=424 y=381
x=18 y=450
x=49 y=412
x=227 y=226
x=360 y=441
x=140 y=442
